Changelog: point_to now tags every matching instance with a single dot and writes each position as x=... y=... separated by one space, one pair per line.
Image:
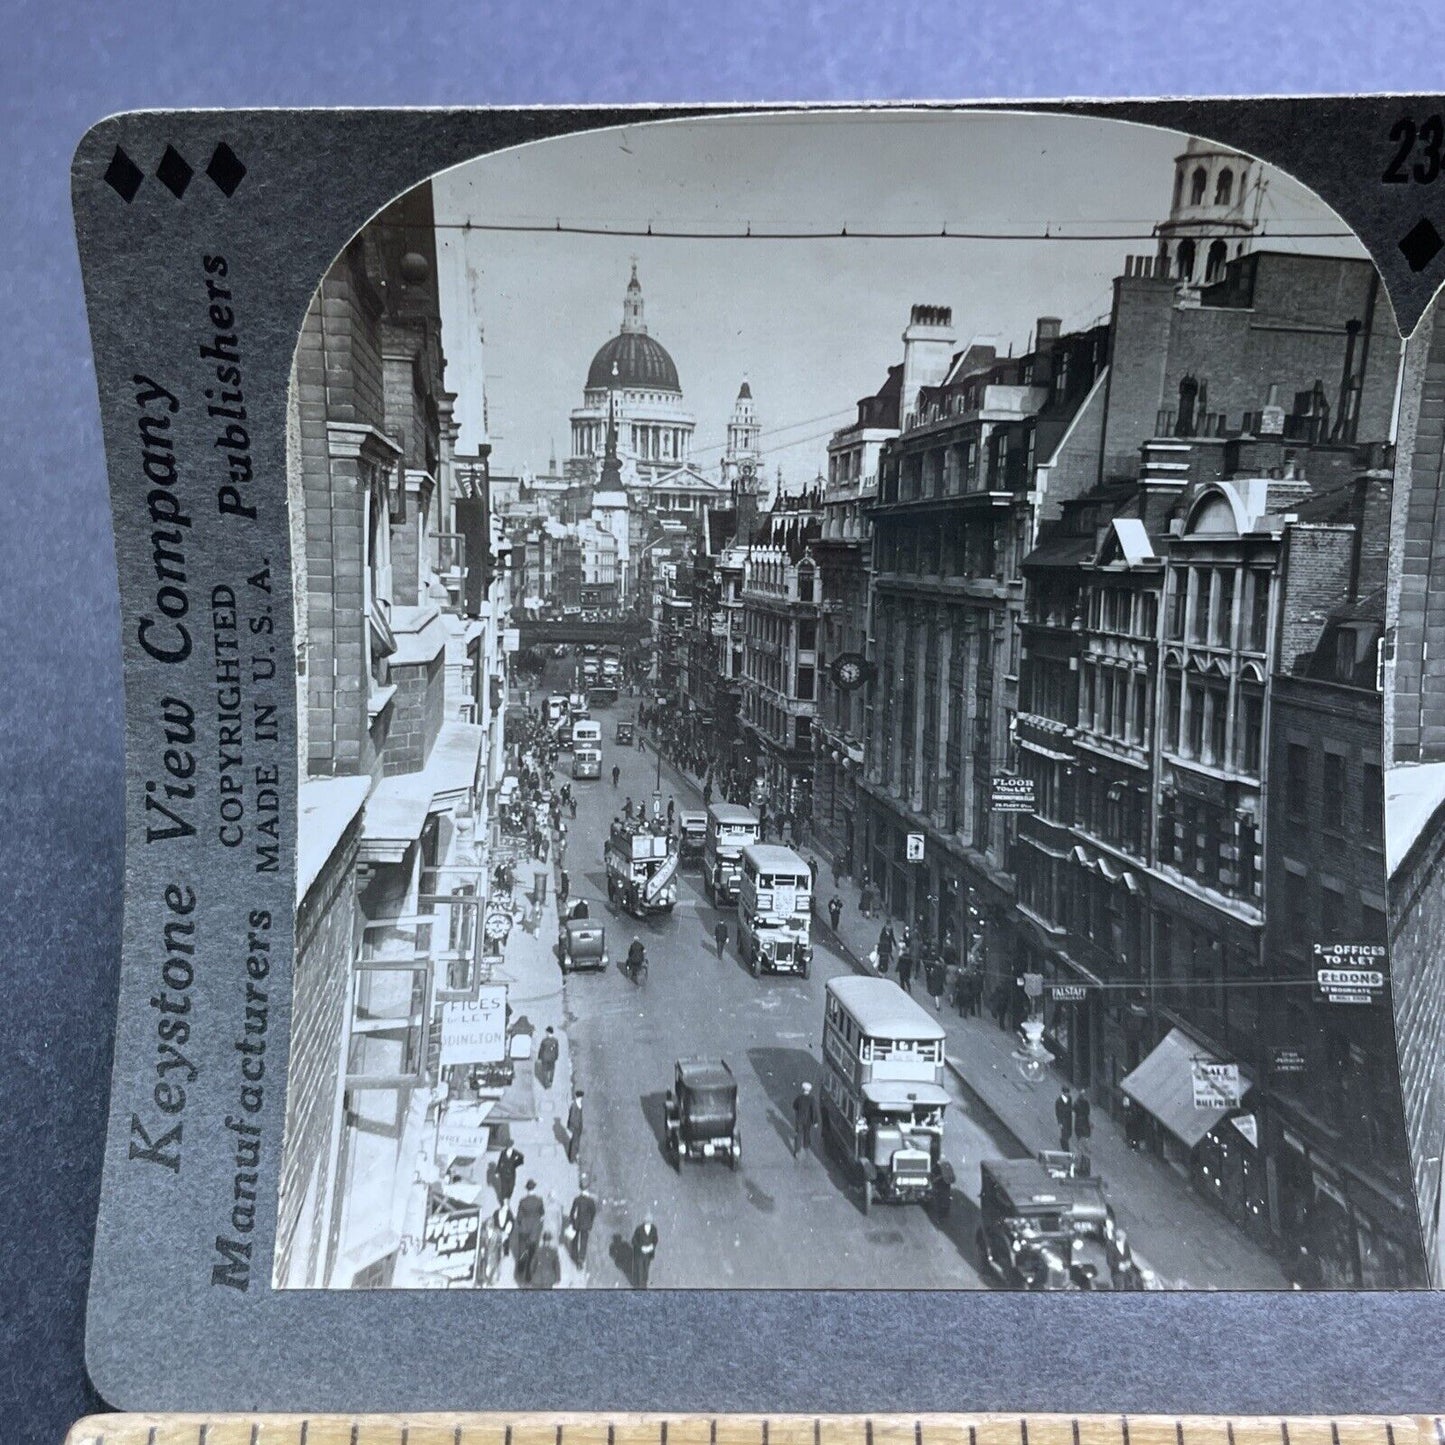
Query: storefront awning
x=1164 y=1086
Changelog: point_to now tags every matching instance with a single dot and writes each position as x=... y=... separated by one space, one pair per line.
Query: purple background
x=63 y=66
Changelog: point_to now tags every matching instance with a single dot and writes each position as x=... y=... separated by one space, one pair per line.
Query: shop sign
x=1068 y=992
x=1286 y=1059
x=497 y=924
x=451 y=1232
x=1349 y=973
x=1247 y=1125
x=913 y=848
x=1033 y=985
x=475 y=1033
x=511 y=639
x=1011 y=794
x=1216 y=1085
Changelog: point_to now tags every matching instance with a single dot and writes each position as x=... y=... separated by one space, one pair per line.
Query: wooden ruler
x=580 y=1429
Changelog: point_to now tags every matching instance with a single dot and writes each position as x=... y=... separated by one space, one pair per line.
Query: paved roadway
x=777 y=1221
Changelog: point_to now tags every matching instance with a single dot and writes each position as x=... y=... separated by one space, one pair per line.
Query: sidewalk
x=534 y=991
x=1180 y=1235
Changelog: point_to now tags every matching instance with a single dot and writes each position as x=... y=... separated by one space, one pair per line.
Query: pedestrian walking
x=547 y=1052
x=616 y=773
x=671 y=812
x=1083 y=1121
x=720 y=936
x=572 y=805
x=564 y=888
x=1064 y=1116
x=496 y=1241
x=905 y=969
x=935 y=975
x=644 y=1251
x=574 y=1127
x=805 y=1118
x=546 y=1268
x=885 y=946
x=504 y=1172
x=627 y=808
x=835 y=911
x=528 y=1233
x=580 y=1219
x=1133 y=1124
x=706 y=794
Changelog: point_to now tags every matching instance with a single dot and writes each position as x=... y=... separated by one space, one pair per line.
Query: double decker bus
x=775 y=910
x=730 y=828
x=883 y=1099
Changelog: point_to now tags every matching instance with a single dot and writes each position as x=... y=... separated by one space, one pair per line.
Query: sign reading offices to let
x=1349 y=973
x=1216 y=1085
x=475 y=1033
x=1012 y=794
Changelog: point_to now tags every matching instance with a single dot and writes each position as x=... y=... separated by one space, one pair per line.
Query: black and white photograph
x=841 y=668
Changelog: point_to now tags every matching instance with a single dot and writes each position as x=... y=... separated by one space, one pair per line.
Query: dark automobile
x=624 y=732
x=1043 y=1230
x=701 y=1113
x=582 y=945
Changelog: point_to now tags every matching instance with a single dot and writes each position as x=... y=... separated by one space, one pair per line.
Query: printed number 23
x=1429 y=137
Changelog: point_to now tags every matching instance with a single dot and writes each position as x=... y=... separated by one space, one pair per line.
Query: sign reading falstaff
x=475 y=1033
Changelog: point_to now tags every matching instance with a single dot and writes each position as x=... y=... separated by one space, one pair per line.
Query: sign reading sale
x=475 y=1033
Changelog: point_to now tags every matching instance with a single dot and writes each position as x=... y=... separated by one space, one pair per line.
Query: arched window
x=1224 y=187
x=1214 y=262
x=1178 y=187
x=1196 y=186
x=1184 y=260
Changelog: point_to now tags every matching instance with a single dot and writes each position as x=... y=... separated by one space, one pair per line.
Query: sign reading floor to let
x=1010 y=793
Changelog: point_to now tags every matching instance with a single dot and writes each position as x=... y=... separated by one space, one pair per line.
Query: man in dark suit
x=574 y=1127
x=530 y=1214
x=509 y=1161
x=644 y=1251
x=582 y=1216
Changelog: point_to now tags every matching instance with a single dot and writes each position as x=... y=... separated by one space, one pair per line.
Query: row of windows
x=790 y=731
x=1201 y=607
x=1115 y=703
x=1124 y=610
x=977 y=550
x=1200 y=725
x=1199 y=184
x=1330 y=806
x=1215 y=845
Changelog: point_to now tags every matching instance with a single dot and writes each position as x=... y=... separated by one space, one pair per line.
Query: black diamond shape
x=225 y=169
x=174 y=173
x=123 y=176
x=1421 y=244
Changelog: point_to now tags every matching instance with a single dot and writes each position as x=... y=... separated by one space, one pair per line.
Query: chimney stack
x=927 y=350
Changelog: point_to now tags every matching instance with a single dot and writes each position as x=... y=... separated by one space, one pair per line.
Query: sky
x=813 y=324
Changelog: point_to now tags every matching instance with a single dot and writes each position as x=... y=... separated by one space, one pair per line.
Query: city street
x=777 y=1222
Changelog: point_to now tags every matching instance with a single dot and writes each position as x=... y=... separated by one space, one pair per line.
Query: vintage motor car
x=701 y=1113
x=692 y=834
x=625 y=733
x=1040 y=1229
x=582 y=945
